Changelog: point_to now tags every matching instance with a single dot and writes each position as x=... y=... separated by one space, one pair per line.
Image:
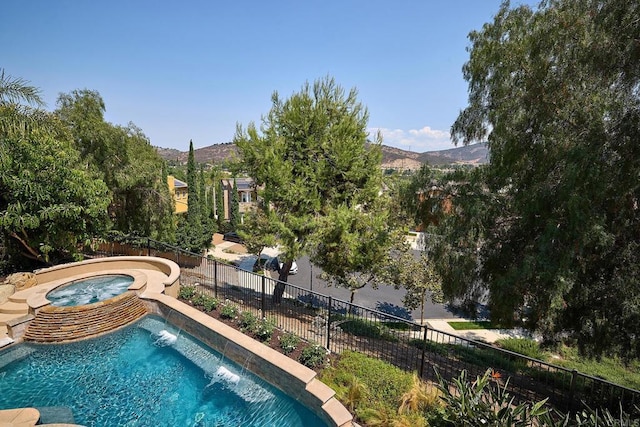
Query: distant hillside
x=396 y=158
x=213 y=154
x=392 y=158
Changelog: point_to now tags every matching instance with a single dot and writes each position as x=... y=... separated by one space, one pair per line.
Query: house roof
x=242 y=184
x=177 y=183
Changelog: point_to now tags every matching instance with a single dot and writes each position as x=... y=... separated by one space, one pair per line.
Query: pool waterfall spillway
x=155 y=289
x=165 y=338
x=226 y=375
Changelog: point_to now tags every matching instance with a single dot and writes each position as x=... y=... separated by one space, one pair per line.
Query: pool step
x=58 y=324
x=20 y=297
x=11 y=307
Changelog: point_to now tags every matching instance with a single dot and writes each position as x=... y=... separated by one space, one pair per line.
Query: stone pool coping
x=168 y=285
x=19 y=417
x=25 y=417
x=37 y=297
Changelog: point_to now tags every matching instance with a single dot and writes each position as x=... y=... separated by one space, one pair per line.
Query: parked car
x=232 y=236
x=274 y=264
x=293 y=269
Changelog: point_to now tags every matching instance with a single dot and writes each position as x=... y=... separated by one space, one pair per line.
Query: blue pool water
x=147 y=374
x=90 y=290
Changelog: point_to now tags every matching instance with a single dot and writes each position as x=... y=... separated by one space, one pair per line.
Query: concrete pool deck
x=156 y=283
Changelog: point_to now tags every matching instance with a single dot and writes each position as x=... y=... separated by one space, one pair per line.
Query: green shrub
x=367 y=328
x=398 y=326
x=313 y=356
x=483 y=357
x=264 y=329
x=430 y=346
x=210 y=303
x=336 y=317
x=485 y=401
x=229 y=310
x=247 y=321
x=593 y=418
x=198 y=300
x=289 y=342
x=524 y=346
x=626 y=373
x=372 y=389
x=187 y=292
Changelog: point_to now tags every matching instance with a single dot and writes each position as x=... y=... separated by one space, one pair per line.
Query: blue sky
x=193 y=69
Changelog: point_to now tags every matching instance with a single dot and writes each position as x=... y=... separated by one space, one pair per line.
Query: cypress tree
x=234 y=209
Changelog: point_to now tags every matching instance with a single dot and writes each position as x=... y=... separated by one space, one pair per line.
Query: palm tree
x=19 y=105
x=14 y=90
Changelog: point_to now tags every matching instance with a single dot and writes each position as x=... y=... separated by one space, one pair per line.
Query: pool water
x=89 y=290
x=147 y=374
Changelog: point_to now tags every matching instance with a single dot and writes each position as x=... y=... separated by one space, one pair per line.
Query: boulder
x=5 y=292
x=21 y=280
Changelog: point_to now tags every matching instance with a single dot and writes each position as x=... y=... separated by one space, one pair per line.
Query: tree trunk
x=30 y=252
x=283 y=275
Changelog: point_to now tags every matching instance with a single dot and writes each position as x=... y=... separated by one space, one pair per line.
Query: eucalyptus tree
x=313 y=157
x=554 y=91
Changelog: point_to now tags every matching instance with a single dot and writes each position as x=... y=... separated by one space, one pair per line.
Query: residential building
x=247 y=195
x=180 y=192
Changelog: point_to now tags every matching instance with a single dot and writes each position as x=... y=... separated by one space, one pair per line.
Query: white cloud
x=418 y=140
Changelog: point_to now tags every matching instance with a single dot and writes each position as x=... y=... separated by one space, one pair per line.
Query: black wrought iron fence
x=339 y=325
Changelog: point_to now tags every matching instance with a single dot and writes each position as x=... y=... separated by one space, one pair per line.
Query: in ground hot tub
x=90 y=290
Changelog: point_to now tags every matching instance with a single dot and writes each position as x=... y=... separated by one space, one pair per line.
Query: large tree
x=126 y=161
x=356 y=245
x=313 y=158
x=50 y=205
x=555 y=93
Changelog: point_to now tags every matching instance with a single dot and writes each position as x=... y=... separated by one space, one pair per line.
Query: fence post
x=424 y=350
x=329 y=323
x=215 y=278
x=572 y=388
x=262 y=300
x=148 y=246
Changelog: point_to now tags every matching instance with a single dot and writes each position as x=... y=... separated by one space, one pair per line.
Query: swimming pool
x=142 y=376
x=89 y=290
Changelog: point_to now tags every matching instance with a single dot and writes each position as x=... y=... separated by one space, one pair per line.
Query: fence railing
x=339 y=325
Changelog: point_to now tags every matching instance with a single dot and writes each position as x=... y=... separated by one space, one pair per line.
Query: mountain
x=213 y=154
x=395 y=158
x=392 y=158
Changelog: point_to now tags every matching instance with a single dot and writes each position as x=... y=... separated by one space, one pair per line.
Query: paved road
x=385 y=298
